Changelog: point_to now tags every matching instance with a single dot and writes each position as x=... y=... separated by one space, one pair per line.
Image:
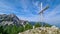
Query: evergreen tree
x=37 y=25
x=28 y=26
x=20 y=29
x=1 y=29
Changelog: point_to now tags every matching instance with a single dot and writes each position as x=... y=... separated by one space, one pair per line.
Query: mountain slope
x=14 y=20
x=10 y=19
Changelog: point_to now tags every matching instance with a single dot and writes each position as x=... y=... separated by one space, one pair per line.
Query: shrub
x=28 y=26
x=37 y=25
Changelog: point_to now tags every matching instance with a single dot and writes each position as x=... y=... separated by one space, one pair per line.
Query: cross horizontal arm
x=44 y=9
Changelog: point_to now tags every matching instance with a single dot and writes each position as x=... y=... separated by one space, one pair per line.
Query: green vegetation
x=47 y=25
x=13 y=29
x=37 y=25
x=28 y=26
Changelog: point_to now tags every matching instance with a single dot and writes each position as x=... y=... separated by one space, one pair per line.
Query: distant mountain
x=10 y=19
x=57 y=25
x=33 y=23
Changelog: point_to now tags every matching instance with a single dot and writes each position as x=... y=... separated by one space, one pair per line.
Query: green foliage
x=37 y=25
x=8 y=29
x=47 y=25
x=13 y=29
x=28 y=26
x=20 y=29
x=1 y=29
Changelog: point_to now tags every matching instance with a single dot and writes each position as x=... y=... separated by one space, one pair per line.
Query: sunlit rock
x=44 y=30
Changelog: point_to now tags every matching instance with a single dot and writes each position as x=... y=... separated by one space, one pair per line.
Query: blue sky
x=29 y=9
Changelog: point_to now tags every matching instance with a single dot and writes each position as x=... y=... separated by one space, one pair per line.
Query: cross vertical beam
x=41 y=15
x=41 y=5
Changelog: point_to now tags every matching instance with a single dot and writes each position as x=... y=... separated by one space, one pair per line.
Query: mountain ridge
x=11 y=19
x=14 y=20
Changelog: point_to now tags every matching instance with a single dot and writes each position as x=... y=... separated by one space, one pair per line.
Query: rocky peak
x=10 y=19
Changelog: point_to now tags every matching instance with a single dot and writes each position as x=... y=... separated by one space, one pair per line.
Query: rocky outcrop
x=43 y=30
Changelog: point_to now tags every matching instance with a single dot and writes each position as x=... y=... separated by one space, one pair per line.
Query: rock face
x=10 y=19
x=43 y=30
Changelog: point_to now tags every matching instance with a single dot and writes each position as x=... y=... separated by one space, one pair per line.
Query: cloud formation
x=53 y=17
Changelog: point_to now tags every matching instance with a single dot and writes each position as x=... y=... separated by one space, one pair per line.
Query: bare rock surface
x=8 y=19
x=43 y=30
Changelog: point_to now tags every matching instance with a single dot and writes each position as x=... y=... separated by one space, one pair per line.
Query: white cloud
x=54 y=11
x=6 y=8
x=31 y=18
x=53 y=17
x=35 y=3
x=24 y=4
